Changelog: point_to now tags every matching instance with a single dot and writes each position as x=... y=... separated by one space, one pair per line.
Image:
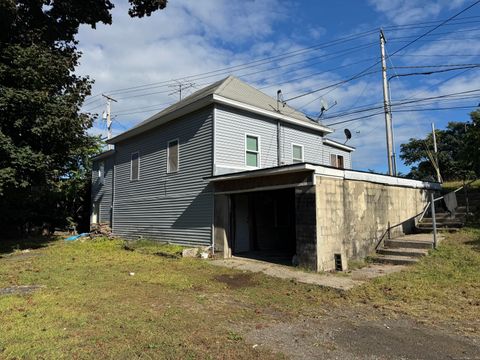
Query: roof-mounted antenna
x=280 y=100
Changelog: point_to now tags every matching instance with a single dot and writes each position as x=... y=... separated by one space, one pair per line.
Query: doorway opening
x=264 y=225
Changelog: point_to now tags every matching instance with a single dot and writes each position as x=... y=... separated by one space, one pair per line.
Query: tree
x=458 y=151
x=44 y=144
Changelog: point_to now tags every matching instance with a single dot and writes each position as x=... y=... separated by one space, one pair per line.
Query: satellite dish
x=324 y=105
x=348 y=135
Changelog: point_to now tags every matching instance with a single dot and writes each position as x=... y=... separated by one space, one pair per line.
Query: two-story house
x=228 y=167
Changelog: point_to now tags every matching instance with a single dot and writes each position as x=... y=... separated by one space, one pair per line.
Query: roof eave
x=103 y=155
x=272 y=114
x=338 y=145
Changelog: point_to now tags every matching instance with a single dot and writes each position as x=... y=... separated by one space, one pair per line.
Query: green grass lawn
x=91 y=307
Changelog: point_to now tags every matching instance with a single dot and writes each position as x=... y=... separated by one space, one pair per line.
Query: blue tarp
x=75 y=237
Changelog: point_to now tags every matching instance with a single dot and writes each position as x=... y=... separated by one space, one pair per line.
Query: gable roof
x=230 y=91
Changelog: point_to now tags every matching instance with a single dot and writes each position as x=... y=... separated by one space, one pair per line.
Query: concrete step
x=446 y=216
x=429 y=230
x=406 y=243
x=442 y=223
x=396 y=260
x=409 y=252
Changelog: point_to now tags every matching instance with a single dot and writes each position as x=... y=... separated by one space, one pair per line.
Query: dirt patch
x=359 y=338
x=20 y=290
x=237 y=281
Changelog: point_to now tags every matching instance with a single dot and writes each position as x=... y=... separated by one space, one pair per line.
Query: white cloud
x=402 y=12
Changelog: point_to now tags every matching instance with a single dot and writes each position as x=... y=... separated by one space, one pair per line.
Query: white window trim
x=178 y=155
x=131 y=166
x=258 y=151
x=303 y=153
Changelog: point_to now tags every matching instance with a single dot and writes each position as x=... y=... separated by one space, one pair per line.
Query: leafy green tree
x=457 y=152
x=44 y=144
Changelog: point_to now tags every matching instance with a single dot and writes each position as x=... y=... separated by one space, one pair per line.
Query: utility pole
x=109 y=118
x=386 y=105
x=437 y=165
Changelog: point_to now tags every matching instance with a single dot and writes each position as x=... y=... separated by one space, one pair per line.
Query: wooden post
x=434 y=221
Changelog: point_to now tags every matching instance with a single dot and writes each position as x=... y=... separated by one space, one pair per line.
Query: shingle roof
x=230 y=88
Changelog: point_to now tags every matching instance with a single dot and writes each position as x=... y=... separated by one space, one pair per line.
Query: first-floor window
x=252 y=151
x=297 y=153
x=172 y=156
x=135 y=166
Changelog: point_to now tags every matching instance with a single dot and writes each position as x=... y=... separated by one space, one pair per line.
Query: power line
x=399 y=102
x=258 y=61
x=395 y=52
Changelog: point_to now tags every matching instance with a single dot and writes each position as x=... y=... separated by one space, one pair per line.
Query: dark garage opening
x=264 y=225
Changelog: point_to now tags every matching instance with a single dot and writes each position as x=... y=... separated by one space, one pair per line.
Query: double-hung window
x=135 y=166
x=297 y=153
x=252 y=151
x=172 y=156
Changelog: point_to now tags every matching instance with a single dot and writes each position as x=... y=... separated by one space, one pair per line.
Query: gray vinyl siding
x=102 y=193
x=311 y=141
x=347 y=156
x=231 y=126
x=175 y=207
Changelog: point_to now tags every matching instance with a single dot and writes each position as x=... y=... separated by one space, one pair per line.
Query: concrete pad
x=341 y=281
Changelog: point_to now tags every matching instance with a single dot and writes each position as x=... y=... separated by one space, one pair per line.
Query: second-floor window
x=337 y=161
x=297 y=153
x=172 y=156
x=252 y=151
x=135 y=166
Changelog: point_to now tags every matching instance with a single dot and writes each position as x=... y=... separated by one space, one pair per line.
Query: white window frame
x=178 y=155
x=303 y=153
x=258 y=151
x=131 y=165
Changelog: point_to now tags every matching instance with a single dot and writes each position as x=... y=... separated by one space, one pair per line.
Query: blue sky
x=314 y=44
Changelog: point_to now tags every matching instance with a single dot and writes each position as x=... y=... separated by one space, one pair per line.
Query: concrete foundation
x=353 y=215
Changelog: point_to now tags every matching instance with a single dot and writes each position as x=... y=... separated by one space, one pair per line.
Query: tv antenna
x=181 y=86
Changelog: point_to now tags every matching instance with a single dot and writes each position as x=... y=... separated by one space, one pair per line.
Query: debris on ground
x=20 y=289
x=101 y=230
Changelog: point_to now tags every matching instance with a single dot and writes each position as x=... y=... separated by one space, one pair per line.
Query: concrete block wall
x=352 y=215
x=305 y=226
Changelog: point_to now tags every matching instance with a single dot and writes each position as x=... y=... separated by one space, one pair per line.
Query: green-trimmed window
x=297 y=153
x=252 y=152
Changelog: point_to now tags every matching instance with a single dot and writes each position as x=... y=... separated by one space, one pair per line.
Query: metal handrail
x=389 y=228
